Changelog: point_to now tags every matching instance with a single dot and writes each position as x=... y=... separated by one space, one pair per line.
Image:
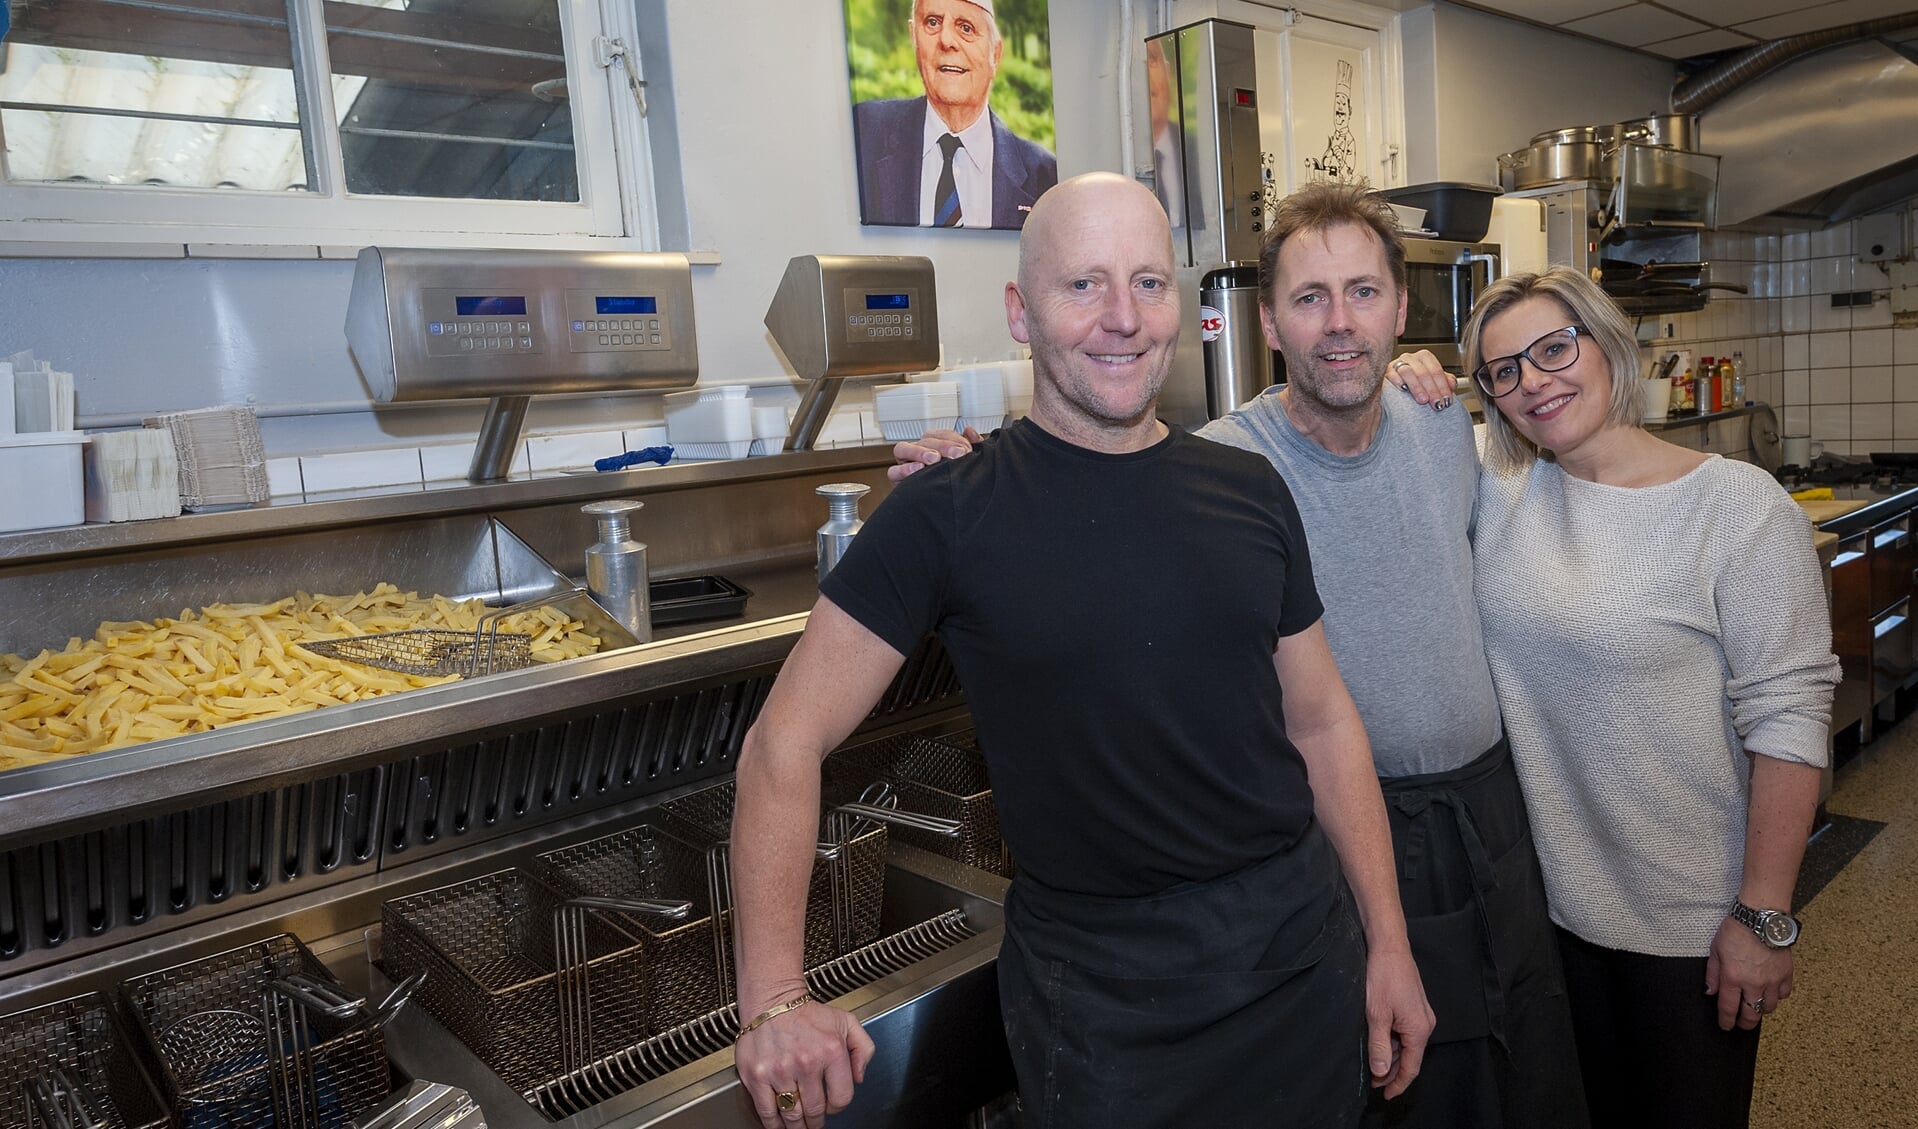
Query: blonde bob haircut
x=1585 y=306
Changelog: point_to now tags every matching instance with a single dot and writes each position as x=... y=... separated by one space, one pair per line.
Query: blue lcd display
x=887 y=302
x=626 y=305
x=491 y=305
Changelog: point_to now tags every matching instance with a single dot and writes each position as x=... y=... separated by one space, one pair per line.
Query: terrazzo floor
x=1843 y=1053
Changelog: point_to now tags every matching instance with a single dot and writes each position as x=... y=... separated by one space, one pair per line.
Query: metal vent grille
x=715 y=1031
x=86 y=885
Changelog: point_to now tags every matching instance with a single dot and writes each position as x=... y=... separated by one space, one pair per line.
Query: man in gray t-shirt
x=1401 y=508
x=1387 y=489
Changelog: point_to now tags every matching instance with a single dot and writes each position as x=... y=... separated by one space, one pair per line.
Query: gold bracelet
x=799 y=1001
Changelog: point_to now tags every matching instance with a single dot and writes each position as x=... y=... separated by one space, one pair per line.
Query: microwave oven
x=1442 y=280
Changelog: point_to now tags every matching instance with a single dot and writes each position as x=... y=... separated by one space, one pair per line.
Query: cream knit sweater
x=1644 y=642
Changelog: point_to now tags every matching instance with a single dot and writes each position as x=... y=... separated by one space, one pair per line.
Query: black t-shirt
x=1112 y=619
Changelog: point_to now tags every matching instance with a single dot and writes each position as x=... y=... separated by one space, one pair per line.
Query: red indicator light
x=1242 y=97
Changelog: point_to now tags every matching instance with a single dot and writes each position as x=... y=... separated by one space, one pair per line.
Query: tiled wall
x=1844 y=376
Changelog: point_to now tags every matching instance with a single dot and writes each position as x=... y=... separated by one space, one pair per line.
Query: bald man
x=1205 y=928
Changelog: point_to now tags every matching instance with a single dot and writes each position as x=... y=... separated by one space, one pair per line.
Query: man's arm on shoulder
x=1322 y=722
x=829 y=683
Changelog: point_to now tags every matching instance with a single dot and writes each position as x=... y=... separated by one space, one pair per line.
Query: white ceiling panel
x=1636 y=26
x=1822 y=16
x=1725 y=13
x=1683 y=29
x=1551 y=11
x=1704 y=43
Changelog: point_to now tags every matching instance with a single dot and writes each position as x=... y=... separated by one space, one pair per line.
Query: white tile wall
x=1847 y=376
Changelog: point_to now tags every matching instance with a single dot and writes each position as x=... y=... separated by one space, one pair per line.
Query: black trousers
x=1649 y=1046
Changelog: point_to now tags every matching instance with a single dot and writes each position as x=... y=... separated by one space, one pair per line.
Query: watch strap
x=1756 y=920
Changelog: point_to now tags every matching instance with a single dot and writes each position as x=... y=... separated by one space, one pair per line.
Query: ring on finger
x=1757 y=1005
x=787 y=1100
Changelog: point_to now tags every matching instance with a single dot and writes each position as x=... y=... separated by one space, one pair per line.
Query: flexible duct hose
x=1703 y=89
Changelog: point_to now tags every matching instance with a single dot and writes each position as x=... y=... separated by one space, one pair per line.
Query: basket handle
x=329 y=1000
x=663 y=908
x=60 y=1101
x=948 y=827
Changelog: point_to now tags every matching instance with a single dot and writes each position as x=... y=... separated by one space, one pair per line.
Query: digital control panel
x=617 y=323
x=877 y=315
x=431 y=324
x=460 y=325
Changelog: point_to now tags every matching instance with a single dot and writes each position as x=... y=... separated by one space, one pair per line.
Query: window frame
x=615 y=177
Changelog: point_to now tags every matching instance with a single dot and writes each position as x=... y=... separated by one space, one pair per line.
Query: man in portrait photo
x=945 y=159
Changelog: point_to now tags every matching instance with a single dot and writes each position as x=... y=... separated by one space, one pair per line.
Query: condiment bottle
x=616 y=568
x=842 y=522
x=1738 y=378
x=1707 y=381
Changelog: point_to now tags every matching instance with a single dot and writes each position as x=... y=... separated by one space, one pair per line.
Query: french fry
x=225 y=664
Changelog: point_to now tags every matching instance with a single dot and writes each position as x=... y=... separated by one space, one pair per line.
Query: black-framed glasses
x=1550 y=353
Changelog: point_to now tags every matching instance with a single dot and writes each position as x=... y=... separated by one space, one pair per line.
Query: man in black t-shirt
x=1182 y=945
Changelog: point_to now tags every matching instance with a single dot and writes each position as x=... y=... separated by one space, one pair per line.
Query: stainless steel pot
x=1665 y=131
x=1572 y=135
x=1549 y=163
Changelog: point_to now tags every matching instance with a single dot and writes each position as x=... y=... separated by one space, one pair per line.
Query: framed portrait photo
x=952 y=110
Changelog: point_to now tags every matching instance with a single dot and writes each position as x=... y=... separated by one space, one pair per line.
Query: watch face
x=1780 y=930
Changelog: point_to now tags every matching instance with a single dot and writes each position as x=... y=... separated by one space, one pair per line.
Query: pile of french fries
x=225 y=664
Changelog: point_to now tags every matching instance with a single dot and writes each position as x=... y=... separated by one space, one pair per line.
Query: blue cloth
x=660 y=455
x=888 y=133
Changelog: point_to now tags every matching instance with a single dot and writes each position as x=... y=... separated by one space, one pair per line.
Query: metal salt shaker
x=616 y=568
x=842 y=522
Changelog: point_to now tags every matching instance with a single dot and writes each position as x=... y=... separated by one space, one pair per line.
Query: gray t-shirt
x=1390 y=535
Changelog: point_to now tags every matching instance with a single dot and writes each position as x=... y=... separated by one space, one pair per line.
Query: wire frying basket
x=516 y=970
x=69 y=1063
x=939 y=778
x=434 y=651
x=683 y=957
x=211 y=1027
x=845 y=894
x=842 y=897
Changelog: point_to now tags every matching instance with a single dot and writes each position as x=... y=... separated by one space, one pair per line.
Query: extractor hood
x=1828 y=136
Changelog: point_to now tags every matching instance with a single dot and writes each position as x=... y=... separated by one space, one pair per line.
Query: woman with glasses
x=1657 y=628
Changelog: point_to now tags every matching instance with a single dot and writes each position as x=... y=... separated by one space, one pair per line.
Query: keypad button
x=436 y=329
x=655 y=338
x=525 y=327
x=526 y=342
x=579 y=326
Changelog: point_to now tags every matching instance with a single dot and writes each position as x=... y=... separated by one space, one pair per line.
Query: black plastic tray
x=689 y=599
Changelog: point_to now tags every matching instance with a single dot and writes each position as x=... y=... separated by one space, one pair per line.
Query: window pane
x=464 y=99
x=189 y=93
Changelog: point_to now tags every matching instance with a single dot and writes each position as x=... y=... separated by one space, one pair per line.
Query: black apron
x=1234 y=1002
x=1502 y=1056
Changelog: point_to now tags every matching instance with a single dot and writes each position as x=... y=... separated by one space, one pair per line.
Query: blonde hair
x=1604 y=325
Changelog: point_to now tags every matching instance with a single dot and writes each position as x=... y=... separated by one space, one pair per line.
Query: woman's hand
x=928 y=449
x=1749 y=977
x=1421 y=375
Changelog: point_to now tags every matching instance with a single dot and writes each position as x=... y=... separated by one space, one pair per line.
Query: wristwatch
x=1775 y=927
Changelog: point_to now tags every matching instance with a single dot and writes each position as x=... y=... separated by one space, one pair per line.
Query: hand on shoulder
x=913 y=454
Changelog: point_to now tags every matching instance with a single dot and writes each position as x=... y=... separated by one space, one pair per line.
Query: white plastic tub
x=710 y=423
x=42 y=481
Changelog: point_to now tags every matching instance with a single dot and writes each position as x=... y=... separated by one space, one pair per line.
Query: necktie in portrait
x=945 y=201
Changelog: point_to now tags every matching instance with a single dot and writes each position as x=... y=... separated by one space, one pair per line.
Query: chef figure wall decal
x=952 y=110
x=1340 y=161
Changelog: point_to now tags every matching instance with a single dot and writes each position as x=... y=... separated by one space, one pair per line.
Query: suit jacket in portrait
x=888 y=134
